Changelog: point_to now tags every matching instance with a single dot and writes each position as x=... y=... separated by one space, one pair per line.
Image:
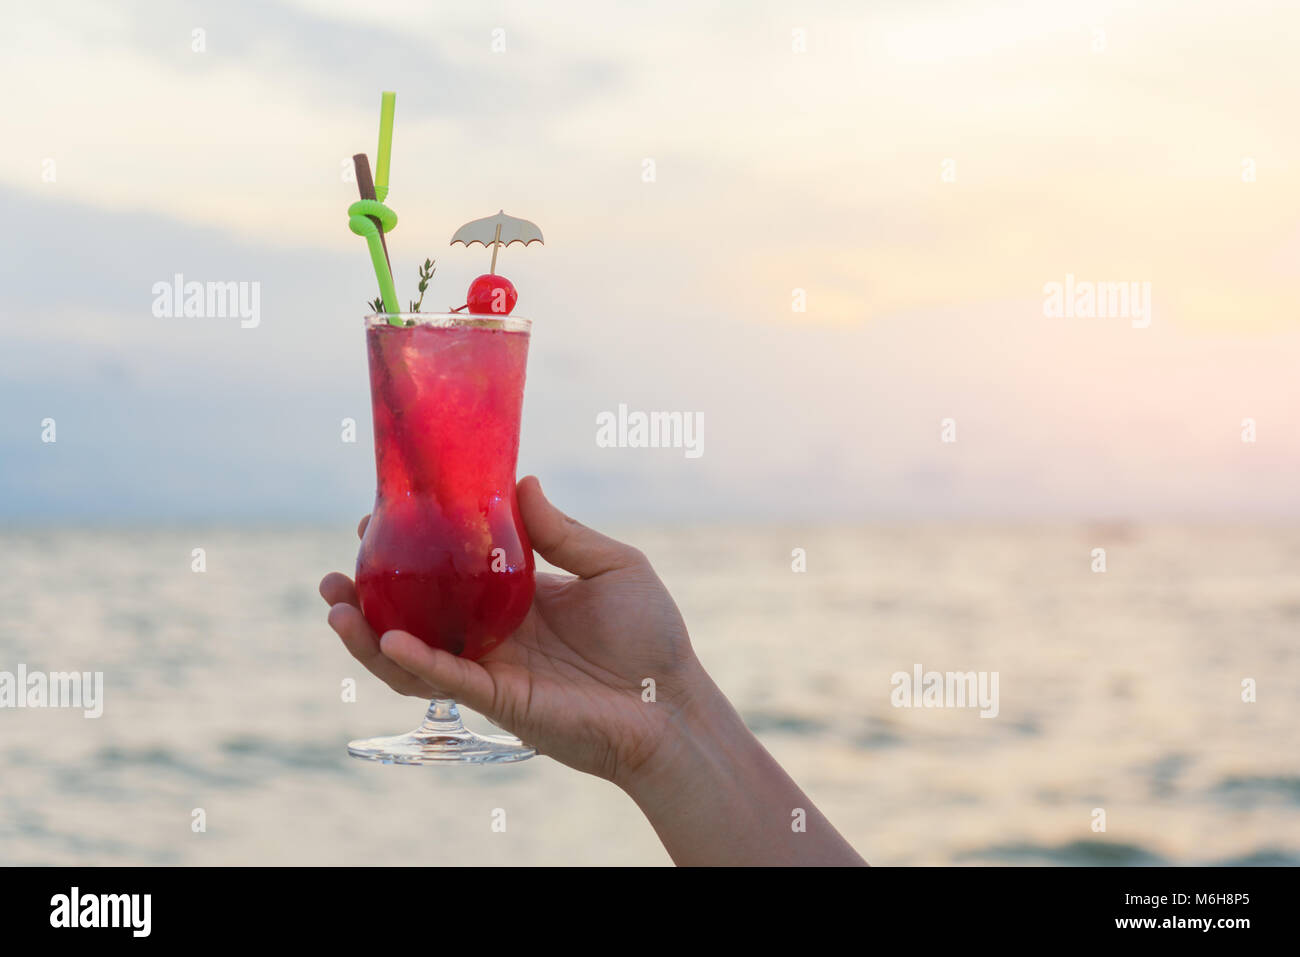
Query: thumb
x=568 y=544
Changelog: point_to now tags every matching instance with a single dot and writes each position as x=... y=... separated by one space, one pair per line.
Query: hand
x=569 y=683
x=569 y=680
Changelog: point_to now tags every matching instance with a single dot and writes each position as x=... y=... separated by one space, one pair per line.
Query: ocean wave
x=1246 y=789
x=1071 y=854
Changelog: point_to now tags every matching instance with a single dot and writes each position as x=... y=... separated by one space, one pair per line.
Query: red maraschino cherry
x=493 y=295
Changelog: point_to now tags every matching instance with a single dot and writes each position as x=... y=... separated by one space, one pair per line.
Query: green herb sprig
x=426 y=273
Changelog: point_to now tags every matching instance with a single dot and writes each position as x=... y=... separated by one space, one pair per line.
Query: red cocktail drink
x=445 y=555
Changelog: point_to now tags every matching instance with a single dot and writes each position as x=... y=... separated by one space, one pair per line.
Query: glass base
x=441 y=739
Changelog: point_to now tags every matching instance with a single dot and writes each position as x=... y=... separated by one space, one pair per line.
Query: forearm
x=716 y=797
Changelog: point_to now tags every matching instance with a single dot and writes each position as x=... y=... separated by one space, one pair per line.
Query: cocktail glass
x=445 y=555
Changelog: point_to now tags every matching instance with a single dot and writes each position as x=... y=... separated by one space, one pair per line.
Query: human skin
x=569 y=681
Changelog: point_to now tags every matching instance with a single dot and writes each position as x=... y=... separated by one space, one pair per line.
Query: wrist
x=702 y=729
x=715 y=796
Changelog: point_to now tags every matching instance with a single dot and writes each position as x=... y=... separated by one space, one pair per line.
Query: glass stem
x=443 y=717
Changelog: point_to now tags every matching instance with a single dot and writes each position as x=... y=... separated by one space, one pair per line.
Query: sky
x=916 y=174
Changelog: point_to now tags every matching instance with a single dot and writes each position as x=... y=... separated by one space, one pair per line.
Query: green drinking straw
x=361 y=223
x=385 y=145
x=363 y=213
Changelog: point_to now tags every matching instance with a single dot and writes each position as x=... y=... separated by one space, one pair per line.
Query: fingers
x=337 y=588
x=361 y=526
x=568 y=544
x=466 y=681
x=360 y=639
